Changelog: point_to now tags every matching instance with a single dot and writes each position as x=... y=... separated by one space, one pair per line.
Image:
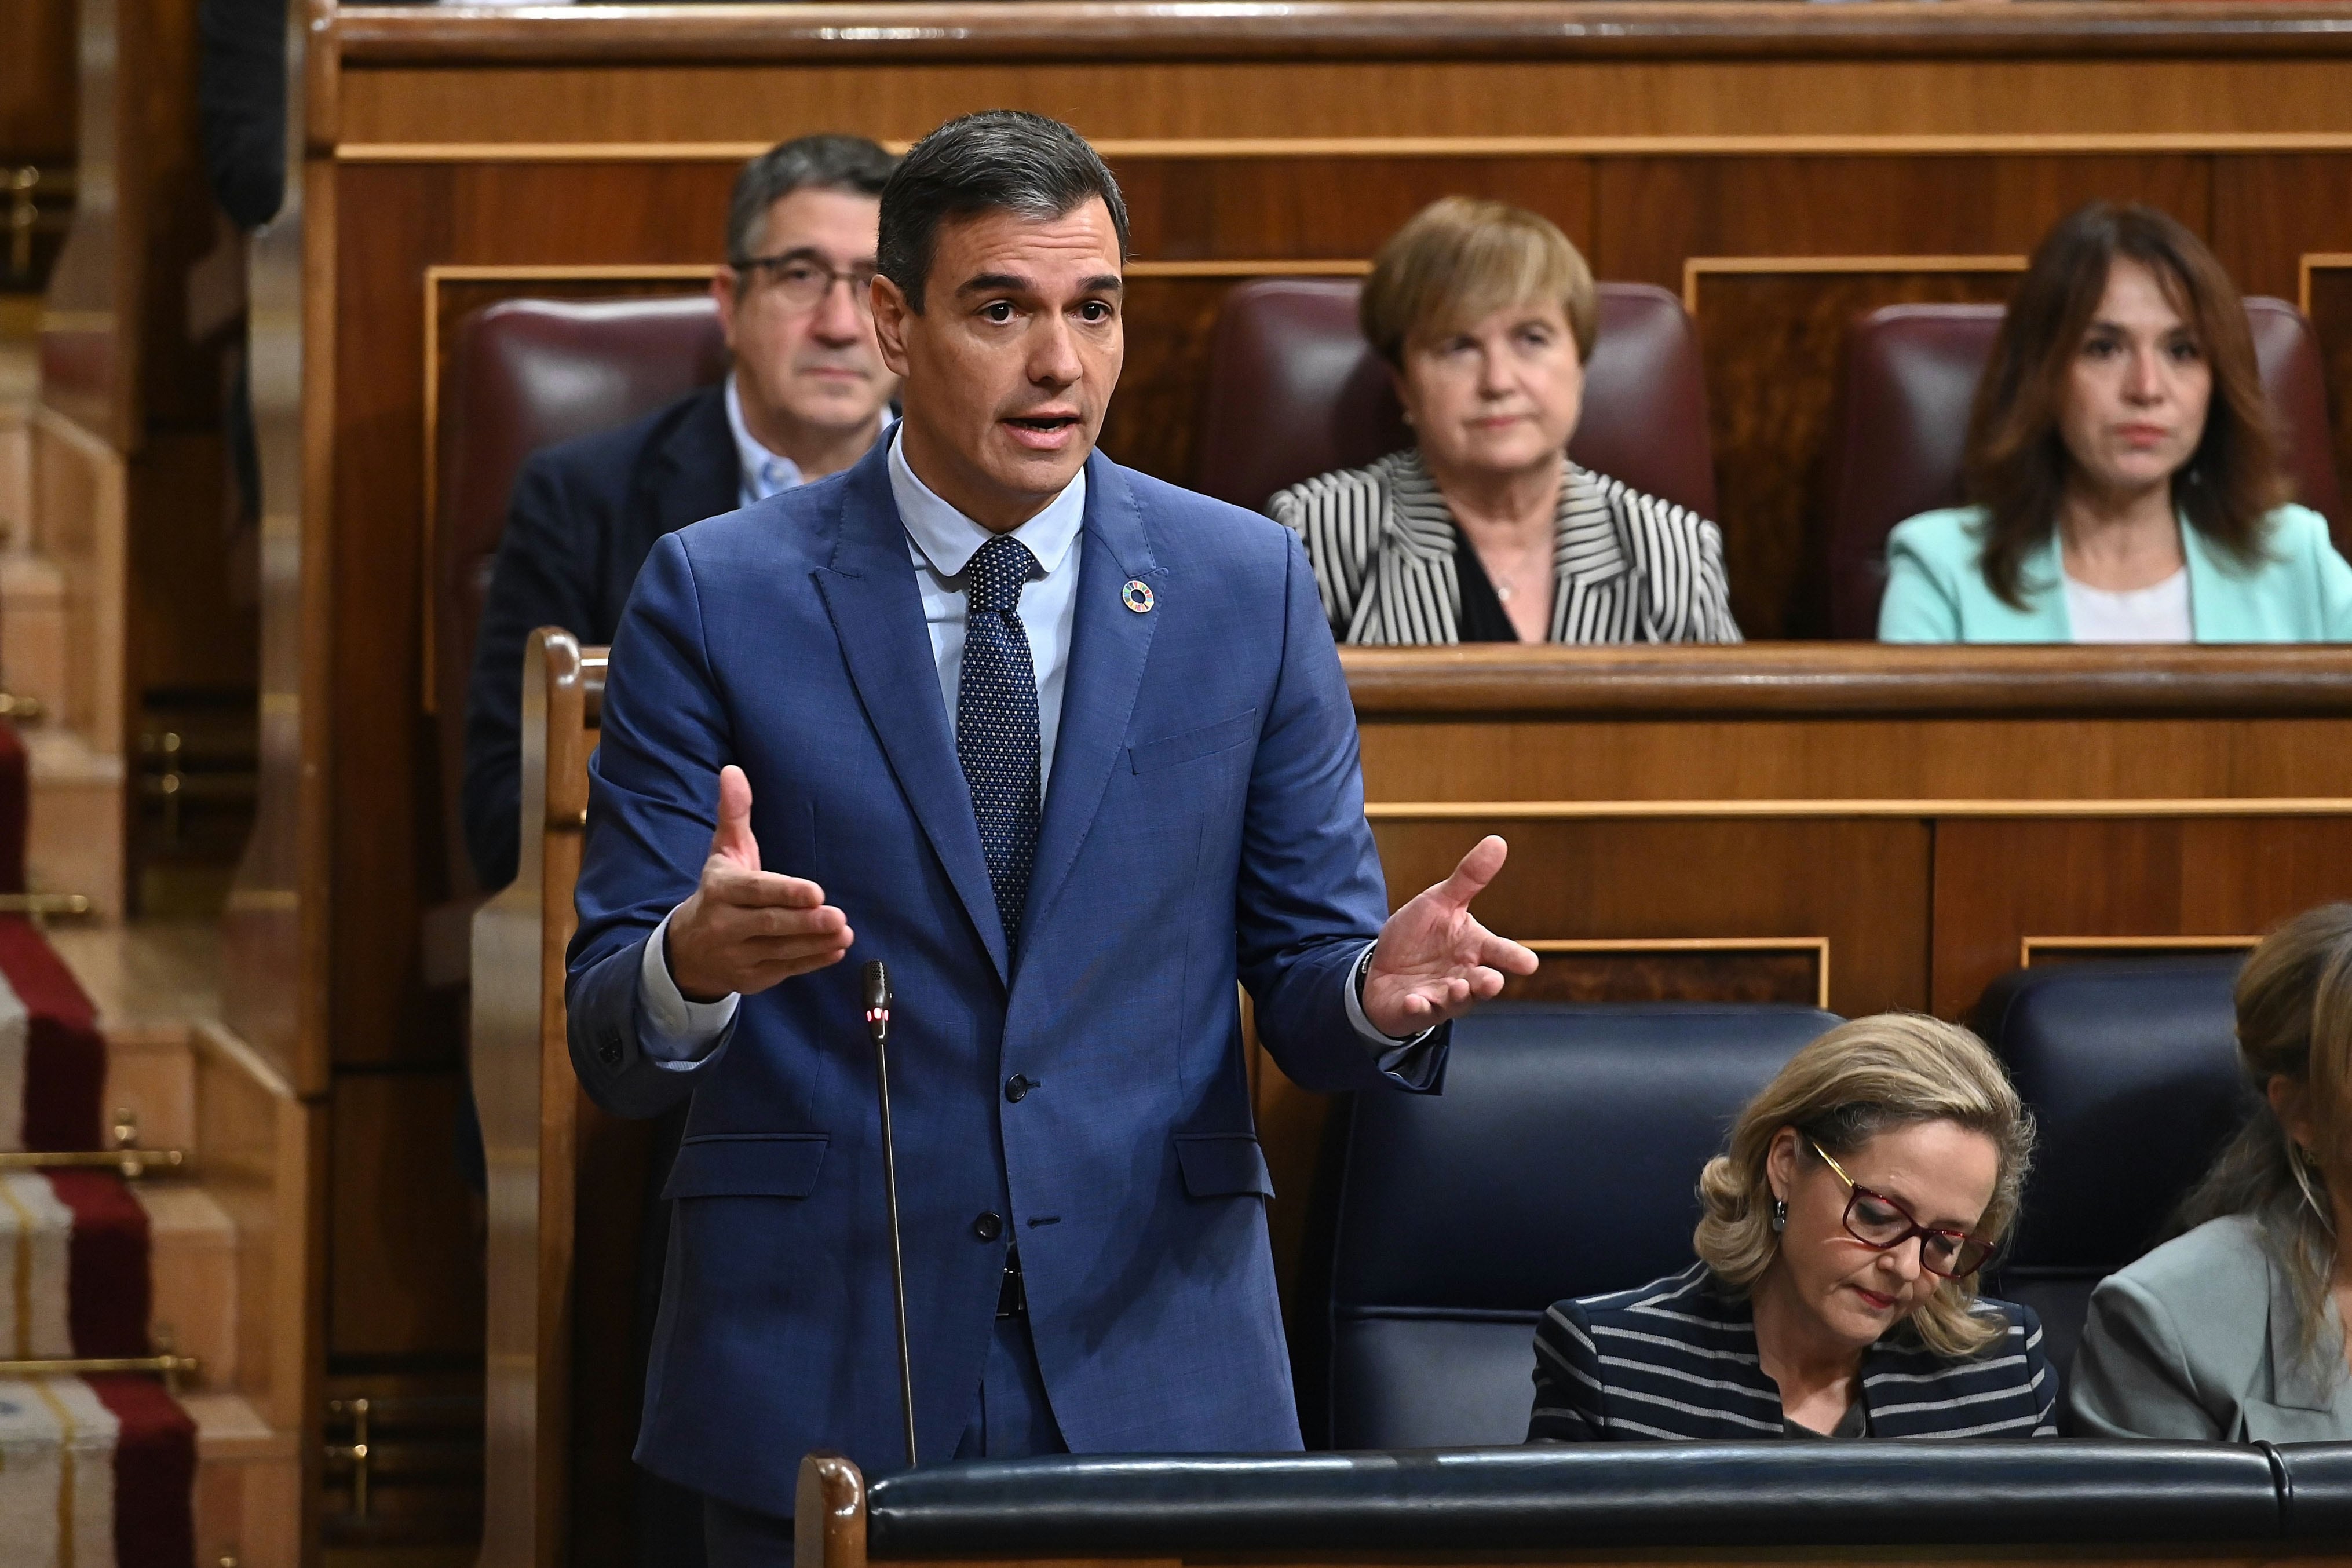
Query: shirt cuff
x=1386 y=1046
x=673 y=1031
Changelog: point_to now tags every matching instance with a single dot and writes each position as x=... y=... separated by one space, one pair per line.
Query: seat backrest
x=1910 y=374
x=2131 y=1070
x=1295 y=390
x=524 y=374
x=1562 y=1160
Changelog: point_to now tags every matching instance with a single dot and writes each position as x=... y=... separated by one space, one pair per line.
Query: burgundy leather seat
x=1911 y=372
x=529 y=374
x=1295 y=390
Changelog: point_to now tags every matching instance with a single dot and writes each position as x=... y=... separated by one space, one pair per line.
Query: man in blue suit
x=1070 y=751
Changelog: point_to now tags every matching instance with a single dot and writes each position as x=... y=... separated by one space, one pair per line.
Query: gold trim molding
x=2315 y=261
x=2027 y=947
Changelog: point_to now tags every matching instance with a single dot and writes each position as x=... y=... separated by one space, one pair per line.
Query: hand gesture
x=1433 y=960
x=745 y=929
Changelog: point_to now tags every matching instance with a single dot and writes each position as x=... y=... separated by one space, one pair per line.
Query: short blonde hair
x=1844 y=1088
x=1460 y=259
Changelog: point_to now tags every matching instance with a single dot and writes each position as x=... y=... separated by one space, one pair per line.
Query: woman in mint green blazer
x=2124 y=463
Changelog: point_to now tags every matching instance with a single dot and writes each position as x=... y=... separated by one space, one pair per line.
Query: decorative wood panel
x=1689 y=968
x=405 y=1269
x=1998 y=880
x=1858 y=886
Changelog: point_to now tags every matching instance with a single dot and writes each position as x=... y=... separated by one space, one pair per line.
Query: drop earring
x=1779 y=1215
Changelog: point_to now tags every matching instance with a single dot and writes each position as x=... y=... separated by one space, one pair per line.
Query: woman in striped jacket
x=1483 y=531
x=1839 y=1241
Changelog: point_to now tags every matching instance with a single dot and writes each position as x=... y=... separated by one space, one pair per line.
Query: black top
x=1854 y=1423
x=1482 y=618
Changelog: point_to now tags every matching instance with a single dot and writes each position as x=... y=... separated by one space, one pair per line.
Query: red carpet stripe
x=65 y=1059
x=12 y=772
x=154 y=1474
x=109 y=1291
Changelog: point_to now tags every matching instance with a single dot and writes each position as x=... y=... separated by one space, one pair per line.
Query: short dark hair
x=823 y=163
x=998 y=160
x=2015 y=463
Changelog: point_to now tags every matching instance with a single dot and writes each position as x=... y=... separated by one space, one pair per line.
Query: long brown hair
x=2294 y=1021
x=2016 y=464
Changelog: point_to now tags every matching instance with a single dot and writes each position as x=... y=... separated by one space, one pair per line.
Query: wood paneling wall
x=1793 y=139
x=37 y=83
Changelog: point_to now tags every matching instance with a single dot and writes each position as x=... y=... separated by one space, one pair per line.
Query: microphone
x=877 y=1028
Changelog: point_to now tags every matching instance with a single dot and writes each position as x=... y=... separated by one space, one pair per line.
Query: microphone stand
x=878 y=1027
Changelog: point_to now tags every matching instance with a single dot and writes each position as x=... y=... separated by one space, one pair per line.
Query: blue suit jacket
x=1204 y=823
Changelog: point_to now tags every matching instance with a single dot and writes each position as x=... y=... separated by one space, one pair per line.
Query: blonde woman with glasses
x=1841 y=1235
x=2236 y=1329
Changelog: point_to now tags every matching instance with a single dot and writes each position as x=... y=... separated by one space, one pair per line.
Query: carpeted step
x=95 y=1472
x=52 y=1058
x=75 y=1247
x=15 y=771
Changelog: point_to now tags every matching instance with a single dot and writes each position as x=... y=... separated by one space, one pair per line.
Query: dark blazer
x=1677 y=1360
x=1205 y=823
x=583 y=517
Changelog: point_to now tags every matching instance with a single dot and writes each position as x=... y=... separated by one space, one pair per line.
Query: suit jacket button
x=989 y=1225
x=1018 y=1087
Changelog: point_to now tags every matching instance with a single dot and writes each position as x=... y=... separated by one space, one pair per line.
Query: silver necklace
x=1509 y=583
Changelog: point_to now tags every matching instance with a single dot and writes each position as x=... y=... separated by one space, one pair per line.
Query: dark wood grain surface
x=1417 y=28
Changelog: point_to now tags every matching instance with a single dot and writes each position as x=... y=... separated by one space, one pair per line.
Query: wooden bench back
x=560 y=1403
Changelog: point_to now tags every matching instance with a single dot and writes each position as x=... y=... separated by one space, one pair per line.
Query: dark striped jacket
x=1677 y=1360
x=1629 y=568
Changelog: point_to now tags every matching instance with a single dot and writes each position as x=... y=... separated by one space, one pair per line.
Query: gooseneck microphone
x=878 y=1027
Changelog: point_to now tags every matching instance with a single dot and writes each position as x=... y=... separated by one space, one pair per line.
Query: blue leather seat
x=1562 y=1160
x=2131 y=1068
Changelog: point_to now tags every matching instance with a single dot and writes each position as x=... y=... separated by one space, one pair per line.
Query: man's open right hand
x=745 y=929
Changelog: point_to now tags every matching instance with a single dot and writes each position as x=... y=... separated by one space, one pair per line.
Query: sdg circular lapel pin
x=1135 y=596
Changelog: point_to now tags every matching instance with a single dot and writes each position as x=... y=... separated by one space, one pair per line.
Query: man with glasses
x=807 y=397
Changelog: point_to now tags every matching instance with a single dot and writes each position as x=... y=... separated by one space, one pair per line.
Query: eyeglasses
x=802 y=282
x=1878 y=1222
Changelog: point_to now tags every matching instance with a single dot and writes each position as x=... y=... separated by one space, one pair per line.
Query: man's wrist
x=670 y=963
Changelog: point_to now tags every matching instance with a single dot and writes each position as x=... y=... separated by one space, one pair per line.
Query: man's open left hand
x=1433 y=960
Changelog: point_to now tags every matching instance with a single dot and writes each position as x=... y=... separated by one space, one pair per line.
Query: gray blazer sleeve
x=2132 y=1375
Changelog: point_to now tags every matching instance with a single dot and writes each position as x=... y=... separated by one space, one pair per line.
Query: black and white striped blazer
x=1629 y=568
x=1677 y=1361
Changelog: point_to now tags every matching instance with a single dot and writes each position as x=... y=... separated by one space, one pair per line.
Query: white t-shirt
x=2157 y=613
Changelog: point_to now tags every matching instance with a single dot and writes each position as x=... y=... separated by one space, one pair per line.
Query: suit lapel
x=698 y=477
x=1420 y=595
x=1108 y=644
x=877 y=614
x=1588 y=557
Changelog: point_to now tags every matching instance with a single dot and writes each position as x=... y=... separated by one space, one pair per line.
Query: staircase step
x=191 y=1248
x=248 y=1501
x=75 y=1255
x=73 y=839
x=35 y=648
x=90 y=1463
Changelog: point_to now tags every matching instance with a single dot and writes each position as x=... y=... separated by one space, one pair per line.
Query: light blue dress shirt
x=941 y=540
x=758 y=473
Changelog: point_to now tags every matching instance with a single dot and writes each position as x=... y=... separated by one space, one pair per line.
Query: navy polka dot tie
x=996 y=721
